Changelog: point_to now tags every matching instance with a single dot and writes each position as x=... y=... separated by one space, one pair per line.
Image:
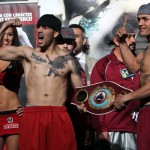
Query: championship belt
x=98 y=98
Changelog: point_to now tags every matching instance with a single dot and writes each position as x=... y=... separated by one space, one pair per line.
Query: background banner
x=98 y=17
x=28 y=14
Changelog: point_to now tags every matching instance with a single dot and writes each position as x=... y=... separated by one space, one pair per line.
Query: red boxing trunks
x=143 y=129
x=9 y=122
x=46 y=128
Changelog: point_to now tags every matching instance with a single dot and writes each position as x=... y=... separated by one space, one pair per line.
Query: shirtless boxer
x=45 y=122
x=134 y=64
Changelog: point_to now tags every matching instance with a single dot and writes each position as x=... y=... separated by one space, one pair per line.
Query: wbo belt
x=98 y=98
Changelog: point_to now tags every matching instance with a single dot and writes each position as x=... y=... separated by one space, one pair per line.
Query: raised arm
x=10 y=53
x=12 y=22
x=132 y=62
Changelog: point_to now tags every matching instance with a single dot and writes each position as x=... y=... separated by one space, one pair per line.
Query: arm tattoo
x=77 y=67
x=145 y=79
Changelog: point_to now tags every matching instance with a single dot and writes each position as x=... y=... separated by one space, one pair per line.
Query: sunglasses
x=69 y=42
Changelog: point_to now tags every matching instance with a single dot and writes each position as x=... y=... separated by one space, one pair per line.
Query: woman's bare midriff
x=8 y=100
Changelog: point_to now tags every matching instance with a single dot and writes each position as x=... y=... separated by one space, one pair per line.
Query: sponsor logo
x=10 y=120
x=11 y=126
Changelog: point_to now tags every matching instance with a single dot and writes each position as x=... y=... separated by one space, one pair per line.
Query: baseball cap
x=128 y=27
x=144 y=9
x=51 y=21
x=67 y=33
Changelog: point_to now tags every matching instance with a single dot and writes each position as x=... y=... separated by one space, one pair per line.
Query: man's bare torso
x=145 y=69
x=47 y=79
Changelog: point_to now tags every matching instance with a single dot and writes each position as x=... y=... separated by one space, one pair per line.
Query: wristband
x=122 y=38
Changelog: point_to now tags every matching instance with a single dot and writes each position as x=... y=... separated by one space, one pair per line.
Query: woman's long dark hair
x=15 y=34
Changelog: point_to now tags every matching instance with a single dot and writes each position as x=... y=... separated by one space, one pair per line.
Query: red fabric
x=4 y=148
x=143 y=129
x=46 y=128
x=108 y=69
x=9 y=124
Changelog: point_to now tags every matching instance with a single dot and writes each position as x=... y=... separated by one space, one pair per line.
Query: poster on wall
x=98 y=17
x=28 y=14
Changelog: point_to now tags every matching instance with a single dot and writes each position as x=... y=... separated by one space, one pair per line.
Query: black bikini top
x=10 y=77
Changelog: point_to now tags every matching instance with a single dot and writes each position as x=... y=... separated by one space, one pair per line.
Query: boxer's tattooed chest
x=55 y=67
x=37 y=59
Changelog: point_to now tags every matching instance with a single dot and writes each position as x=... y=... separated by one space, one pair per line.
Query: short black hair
x=85 y=47
x=77 y=26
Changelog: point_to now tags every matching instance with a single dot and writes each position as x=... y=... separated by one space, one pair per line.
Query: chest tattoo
x=57 y=64
x=37 y=59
